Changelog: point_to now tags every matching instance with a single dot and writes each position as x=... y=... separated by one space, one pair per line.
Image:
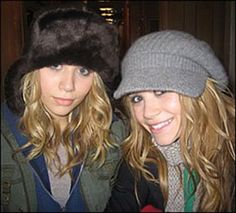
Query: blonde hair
x=209 y=130
x=88 y=127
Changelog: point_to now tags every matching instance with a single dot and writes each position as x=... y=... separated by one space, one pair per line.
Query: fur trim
x=65 y=36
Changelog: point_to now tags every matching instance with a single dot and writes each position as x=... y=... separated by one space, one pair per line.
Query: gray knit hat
x=170 y=60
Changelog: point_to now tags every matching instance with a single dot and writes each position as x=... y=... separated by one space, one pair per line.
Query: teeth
x=160 y=125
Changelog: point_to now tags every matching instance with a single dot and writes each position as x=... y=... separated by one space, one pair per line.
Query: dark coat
x=123 y=196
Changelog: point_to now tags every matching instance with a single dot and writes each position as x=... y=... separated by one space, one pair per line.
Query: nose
x=67 y=81
x=151 y=108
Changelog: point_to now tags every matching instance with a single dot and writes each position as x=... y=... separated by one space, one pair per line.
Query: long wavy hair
x=87 y=130
x=209 y=130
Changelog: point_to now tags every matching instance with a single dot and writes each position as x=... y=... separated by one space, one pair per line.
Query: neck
x=61 y=122
x=171 y=152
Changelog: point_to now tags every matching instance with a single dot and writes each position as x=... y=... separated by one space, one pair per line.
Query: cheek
x=173 y=104
x=88 y=86
x=45 y=82
x=138 y=116
x=138 y=113
x=45 y=87
x=175 y=108
x=83 y=87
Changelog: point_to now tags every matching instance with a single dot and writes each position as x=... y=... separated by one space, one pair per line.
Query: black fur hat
x=65 y=36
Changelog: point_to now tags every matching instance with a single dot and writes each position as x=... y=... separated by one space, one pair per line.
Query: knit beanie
x=169 y=60
x=65 y=35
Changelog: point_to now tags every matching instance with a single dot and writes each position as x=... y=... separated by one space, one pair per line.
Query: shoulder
x=125 y=170
x=118 y=128
x=7 y=137
x=16 y=177
x=123 y=197
x=147 y=191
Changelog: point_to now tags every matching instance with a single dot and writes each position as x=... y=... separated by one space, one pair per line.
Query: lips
x=63 y=101
x=159 y=126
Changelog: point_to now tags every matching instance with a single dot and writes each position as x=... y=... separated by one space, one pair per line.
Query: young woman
x=180 y=152
x=58 y=133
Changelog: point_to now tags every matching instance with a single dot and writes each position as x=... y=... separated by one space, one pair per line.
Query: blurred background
x=212 y=21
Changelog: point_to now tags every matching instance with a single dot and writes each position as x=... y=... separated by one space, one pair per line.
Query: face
x=159 y=113
x=64 y=87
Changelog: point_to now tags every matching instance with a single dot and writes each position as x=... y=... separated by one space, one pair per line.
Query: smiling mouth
x=160 y=125
x=63 y=101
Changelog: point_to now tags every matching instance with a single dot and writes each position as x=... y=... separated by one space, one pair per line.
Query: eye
x=136 y=98
x=84 y=71
x=56 y=67
x=158 y=92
